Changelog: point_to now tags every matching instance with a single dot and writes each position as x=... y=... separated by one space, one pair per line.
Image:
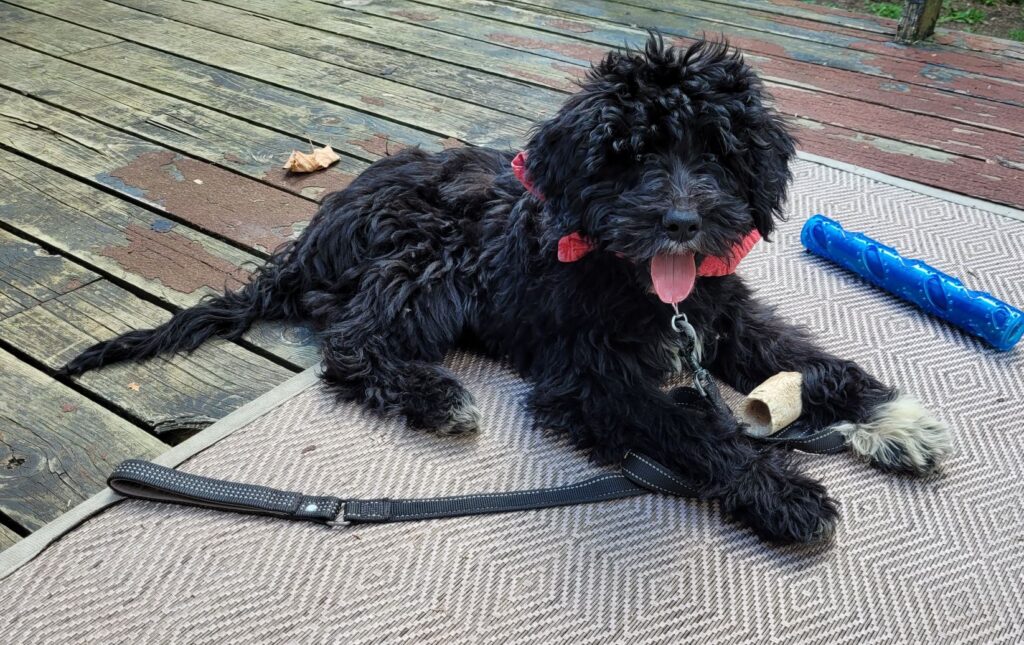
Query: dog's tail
x=266 y=297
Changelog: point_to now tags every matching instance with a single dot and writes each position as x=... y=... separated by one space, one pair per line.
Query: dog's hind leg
x=388 y=358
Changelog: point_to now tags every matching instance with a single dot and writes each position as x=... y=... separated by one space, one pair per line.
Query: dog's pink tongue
x=673 y=275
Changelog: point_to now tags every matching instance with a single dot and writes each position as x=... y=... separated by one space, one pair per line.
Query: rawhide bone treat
x=773 y=405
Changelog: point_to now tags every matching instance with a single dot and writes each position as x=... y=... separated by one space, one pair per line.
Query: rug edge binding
x=30 y=547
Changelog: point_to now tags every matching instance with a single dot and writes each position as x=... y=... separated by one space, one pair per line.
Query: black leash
x=639 y=475
x=145 y=480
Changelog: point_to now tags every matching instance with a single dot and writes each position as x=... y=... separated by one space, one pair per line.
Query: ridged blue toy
x=942 y=295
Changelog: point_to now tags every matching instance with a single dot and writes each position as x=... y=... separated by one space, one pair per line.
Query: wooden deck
x=141 y=143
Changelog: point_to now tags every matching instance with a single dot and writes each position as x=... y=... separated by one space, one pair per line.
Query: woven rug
x=939 y=560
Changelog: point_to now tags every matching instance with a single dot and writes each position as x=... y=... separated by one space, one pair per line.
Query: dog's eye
x=639 y=158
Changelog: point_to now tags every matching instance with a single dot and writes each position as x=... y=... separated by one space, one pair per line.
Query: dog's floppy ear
x=571 y=146
x=770 y=148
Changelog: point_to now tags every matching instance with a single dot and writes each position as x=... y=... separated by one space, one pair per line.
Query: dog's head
x=665 y=153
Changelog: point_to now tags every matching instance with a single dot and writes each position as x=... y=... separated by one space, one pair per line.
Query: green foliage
x=886 y=9
x=966 y=16
x=1017 y=34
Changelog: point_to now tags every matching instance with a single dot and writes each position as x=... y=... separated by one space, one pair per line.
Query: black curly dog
x=664 y=155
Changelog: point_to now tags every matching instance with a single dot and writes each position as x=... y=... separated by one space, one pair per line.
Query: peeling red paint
x=379 y=145
x=174 y=260
x=559 y=84
x=412 y=14
x=956 y=61
x=814 y=26
x=573 y=73
x=978 y=43
x=579 y=51
x=373 y=100
x=752 y=45
x=913 y=98
x=857 y=58
x=915 y=128
x=67 y=408
x=569 y=25
x=968 y=176
x=885 y=28
x=71 y=285
x=217 y=200
x=313 y=185
x=451 y=142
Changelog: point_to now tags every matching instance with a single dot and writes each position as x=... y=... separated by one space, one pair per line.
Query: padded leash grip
x=149 y=481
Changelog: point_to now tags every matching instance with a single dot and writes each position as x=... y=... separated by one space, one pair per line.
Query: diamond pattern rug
x=939 y=560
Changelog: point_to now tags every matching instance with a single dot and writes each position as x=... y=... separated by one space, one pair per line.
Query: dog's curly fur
x=426 y=250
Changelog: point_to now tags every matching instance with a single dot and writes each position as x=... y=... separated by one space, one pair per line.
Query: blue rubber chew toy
x=930 y=289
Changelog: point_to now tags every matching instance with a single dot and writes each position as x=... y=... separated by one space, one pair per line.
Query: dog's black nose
x=682 y=226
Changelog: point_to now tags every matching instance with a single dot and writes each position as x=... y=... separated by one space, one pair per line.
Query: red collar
x=574 y=246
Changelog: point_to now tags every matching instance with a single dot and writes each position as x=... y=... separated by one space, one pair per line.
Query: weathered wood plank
x=348 y=131
x=1011 y=49
x=828 y=17
x=994 y=176
x=29 y=275
x=846 y=112
x=356 y=133
x=166 y=395
x=173 y=262
x=993 y=172
x=598 y=17
x=928 y=132
x=364 y=26
x=994 y=164
x=100 y=97
x=446 y=117
x=29 y=32
x=993 y=182
x=728 y=15
x=251 y=150
x=531 y=30
x=958 y=108
x=821 y=13
x=872 y=64
x=57 y=447
x=135 y=63
x=412 y=70
x=7 y=537
x=206 y=196
x=836 y=36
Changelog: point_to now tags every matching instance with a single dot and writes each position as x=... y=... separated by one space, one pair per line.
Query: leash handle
x=144 y=480
x=149 y=481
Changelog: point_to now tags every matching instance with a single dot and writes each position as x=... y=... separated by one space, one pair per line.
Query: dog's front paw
x=901 y=435
x=783 y=506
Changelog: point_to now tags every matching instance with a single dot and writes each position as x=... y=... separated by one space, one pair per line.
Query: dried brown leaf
x=319 y=159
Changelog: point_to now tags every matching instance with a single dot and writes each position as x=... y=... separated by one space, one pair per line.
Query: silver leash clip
x=681 y=325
